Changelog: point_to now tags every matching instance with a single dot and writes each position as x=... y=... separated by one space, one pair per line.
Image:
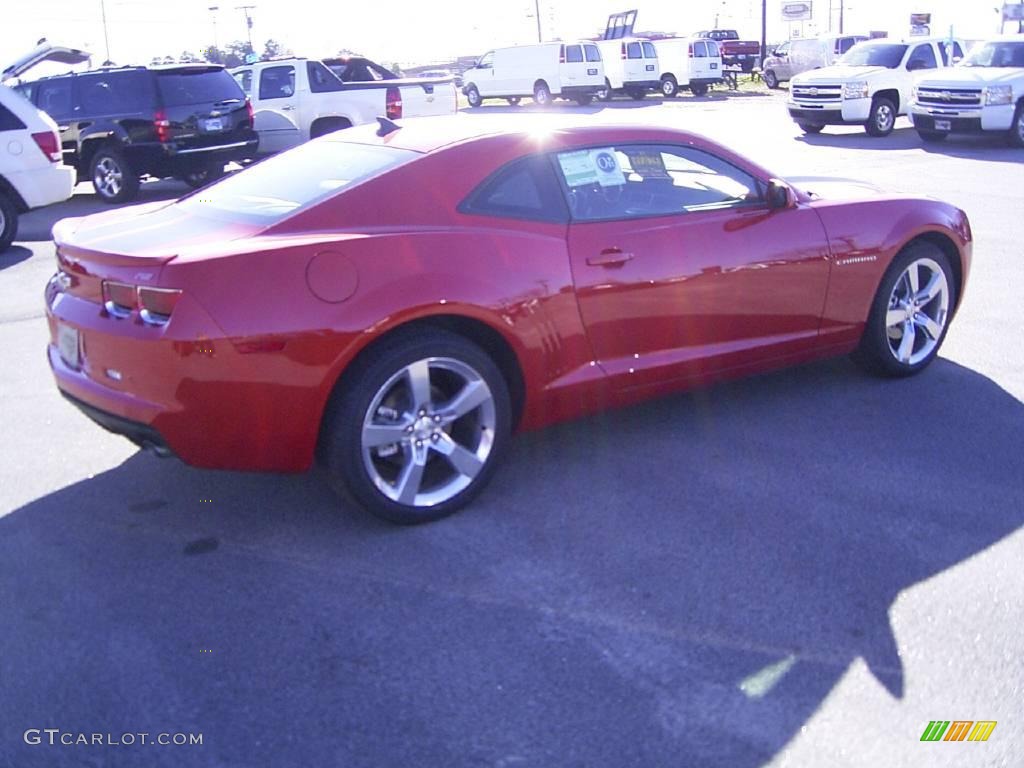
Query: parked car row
x=584 y=70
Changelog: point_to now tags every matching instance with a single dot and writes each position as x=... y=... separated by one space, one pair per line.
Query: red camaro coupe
x=398 y=299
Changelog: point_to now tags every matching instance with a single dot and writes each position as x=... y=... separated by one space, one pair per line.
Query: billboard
x=1013 y=12
x=798 y=10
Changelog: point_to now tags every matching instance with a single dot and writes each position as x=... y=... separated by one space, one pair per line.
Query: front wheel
x=910 y=314
x=542 y=95
x=416 y=429
x=881 y=118
x=669 y=86
x=473 y=96
x=8 y=222
x=699 y=89
x=113 y=177
x=1015 y=136
x=771 y=79
x=932 y=137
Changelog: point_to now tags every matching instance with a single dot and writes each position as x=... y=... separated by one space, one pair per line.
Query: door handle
x=610 y=257
x=63 y=128
x=287 y=109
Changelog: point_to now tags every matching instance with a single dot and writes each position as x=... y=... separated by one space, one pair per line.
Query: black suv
x=119 y=124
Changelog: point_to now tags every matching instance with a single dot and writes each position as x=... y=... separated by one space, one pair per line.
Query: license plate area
x=714 y=65
x=69 y=345
x=650 y=67
x=592 y=71
x=213 y=124
x=943 y=125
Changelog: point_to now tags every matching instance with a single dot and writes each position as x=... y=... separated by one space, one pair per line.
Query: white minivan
x=630 y=66
x=688 y=63
x=545 y=71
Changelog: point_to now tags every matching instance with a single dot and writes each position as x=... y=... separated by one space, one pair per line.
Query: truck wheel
x=473 y=96
x=932 y=137
x=605 y=94
x=881 y=118
x=810 y=127
x=669 y=86
x=542 y=94
x=112 y=176
x=1016 y=135
x=637 y=94
x=585 y=100
x=771 y=79
x=699 y=89
x=513 y=100
x=8 y=222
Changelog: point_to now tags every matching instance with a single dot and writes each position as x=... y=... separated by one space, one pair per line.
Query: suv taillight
x=623 y=50
x=690 y=50
x=250 y=110
x=48 y=142
x=162 y=125
x=393 y=99
x=561 y=55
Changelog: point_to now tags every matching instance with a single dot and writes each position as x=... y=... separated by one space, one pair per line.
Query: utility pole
x=536 y=8
x=106 y=39
x=213 y=16
x=764 y=31
x=248 y=22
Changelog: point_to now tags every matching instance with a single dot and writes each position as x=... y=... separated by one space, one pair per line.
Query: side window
x=573 y=54
x=54 y=97
x=321 y=79
x=114 y=93
x=277 y=82
x=523 y=189
x=633 y=51
x=713 y=49
x=782 y=50
x=9 y=121
x=944 y=49
x=846 y=43
x=592 y=52
x=649 y=52
x=637 y=181
x=244 y=80
x=923 y=53
x=486 y=61
x=700 y=50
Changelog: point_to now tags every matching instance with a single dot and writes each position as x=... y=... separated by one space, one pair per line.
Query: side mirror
x=779 y=195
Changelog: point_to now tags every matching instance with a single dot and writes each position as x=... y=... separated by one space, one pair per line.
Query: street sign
x=1013 y=12
x=797 y=11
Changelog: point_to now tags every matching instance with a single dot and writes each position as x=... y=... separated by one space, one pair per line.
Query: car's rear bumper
x=141 y=434
x=572 y=91
x=650 y=85
x=705 y=81
x=44 y=186
x=174 y=158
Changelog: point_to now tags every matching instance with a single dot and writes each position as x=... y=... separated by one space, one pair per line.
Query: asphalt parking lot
x=800 y=569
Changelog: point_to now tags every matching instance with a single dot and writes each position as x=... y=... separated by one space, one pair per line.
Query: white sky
x=420 y=32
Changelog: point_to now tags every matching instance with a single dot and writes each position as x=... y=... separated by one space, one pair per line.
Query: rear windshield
x=296 y=179
x=180 y=87
x=881 y=55
x=999 y=54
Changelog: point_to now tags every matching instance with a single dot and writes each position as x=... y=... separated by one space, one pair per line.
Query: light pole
x=106 y=38
x=248 y=23
x=213 y=17
x=536 y=8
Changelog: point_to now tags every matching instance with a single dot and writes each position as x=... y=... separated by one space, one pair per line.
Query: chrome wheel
x=917 y=312
x=108 y=178
x=884 y=118
x=428 y=432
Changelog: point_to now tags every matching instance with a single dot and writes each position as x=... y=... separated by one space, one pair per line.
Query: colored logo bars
x=958 y=730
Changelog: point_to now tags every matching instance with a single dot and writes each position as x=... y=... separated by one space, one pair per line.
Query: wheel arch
x=7 y=189
x=945 y=244
x=889 y=93
x=325 y=120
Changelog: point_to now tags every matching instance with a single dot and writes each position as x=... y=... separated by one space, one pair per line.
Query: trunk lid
x=44 y=51
x=426 y=97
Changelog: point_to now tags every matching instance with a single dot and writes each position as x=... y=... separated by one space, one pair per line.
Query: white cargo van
x=688 y=63
x=544 y=71
x=630 y=66
x=802 y=55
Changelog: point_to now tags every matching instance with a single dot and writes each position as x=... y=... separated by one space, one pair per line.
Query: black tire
x=8 y=222
x=770 y=79
x=113 y=178
x=584 y=101
x=1015 y=136
x=513 y=100
x=932 y=137
x=637 y=94
x=606 y=94
x=473 y=96
x=699 y=89
x=874 y=353
x=207 y=174
x=542 y=94
x=669 y=86
x=361 y=390
x=810 y=127
x=881 y=118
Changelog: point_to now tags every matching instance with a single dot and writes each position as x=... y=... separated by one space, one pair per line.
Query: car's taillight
x=48 y=142
x=157 y=304
x=623 y=53
x=561 y=55
x=162 y=125
x=690 y=50
x=394 y=103
x=250 y=110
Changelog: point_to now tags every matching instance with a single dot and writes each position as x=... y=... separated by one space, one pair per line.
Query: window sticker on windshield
x=647 y=164
x=591 y=166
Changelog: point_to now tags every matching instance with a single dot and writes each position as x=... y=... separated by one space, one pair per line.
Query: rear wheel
x=415 y=432
x=771 y=79
x=1015 y=137
x=542 y=94
x=669 y=86
x=932 y=137
x=699 y=89
x=910 y=313
x=473 y=96
x=8 y=222
x=513 y=100
x=810 y=127
x=112 y=177
x=584 y=101
x=605 y=94
x=637 y=94
x=881 y=118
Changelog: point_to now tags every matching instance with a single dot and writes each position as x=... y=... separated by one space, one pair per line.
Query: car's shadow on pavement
x=679 y=583
x=994 y=147
x=14 y=255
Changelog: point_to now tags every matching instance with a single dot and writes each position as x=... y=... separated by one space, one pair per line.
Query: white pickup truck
x=870 y=85
x=298 y=99
x=985 y=92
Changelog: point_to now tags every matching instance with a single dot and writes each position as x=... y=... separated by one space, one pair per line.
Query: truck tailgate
x=422 y=98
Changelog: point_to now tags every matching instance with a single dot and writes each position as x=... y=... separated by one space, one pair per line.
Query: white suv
x=870 y=85
x=32 y=173
x=984 y=93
